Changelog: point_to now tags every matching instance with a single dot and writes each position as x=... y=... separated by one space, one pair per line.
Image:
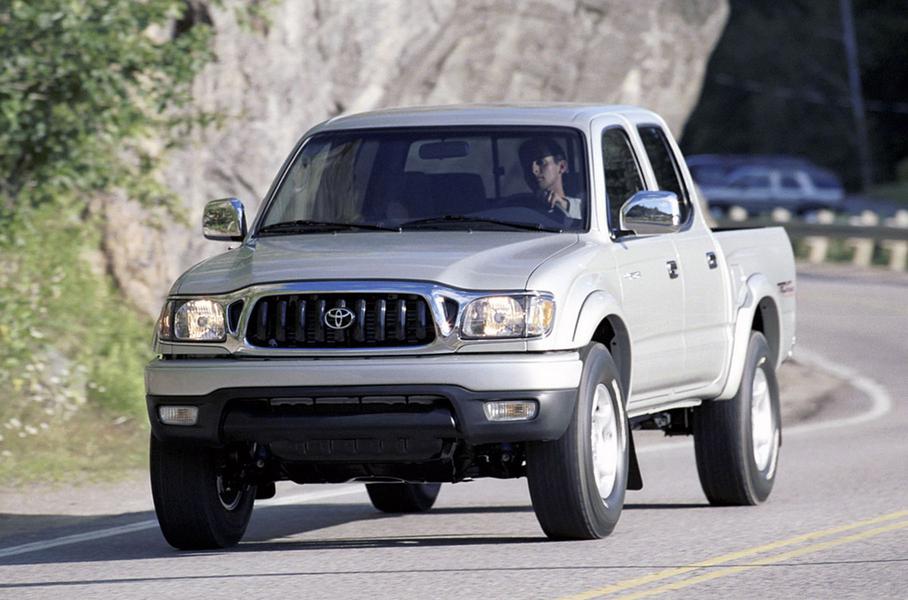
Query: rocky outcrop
x=315 y=59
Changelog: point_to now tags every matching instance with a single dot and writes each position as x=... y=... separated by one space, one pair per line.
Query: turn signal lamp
x=179 y=415
x=510 y=410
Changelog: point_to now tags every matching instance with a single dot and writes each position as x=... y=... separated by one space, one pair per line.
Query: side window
x=665 y=165
x=622 y=173
x=789 y=182
x=752 y=181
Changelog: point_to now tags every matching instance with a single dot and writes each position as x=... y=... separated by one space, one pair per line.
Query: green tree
x=84 y=86
x=777 y=83
x=92 y=93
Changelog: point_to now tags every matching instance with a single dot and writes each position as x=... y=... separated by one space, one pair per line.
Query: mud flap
x=634 y=478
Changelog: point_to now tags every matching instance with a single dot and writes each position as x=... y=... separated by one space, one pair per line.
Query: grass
x=89 y=447
x=71 y=355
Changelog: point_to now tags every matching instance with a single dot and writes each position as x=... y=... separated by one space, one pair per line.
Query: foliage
x=92 y=94
x=85 y=86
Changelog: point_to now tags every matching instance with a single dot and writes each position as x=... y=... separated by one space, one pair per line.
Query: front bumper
x=341 y=400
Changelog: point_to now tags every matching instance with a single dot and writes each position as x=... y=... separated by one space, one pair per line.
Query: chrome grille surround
x=447 y=338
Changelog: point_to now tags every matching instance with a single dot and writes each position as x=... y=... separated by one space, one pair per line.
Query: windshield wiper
x=434 y=222
x=307 y=226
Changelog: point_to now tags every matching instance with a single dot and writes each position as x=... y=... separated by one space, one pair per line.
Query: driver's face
x=547 y=171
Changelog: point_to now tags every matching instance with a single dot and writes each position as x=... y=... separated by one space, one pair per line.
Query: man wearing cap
x=546 y=163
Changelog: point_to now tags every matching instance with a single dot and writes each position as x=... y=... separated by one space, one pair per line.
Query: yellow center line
x=732 y=556
x=726 y=571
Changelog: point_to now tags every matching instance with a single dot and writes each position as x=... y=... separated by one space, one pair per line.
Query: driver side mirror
x=650 y=212
x=224 y=220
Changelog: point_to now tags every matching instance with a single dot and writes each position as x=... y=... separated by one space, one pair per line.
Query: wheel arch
x=759 y=311
x=766 y=321
x=600 y=321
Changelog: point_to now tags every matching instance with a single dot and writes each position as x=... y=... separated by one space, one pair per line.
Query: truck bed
x=764 y=251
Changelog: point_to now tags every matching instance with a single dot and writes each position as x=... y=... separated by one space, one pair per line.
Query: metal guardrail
x=865 y=237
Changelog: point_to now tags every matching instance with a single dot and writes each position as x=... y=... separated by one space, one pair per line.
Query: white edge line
x=151 y=523
x=75 y=539
x=881 y=402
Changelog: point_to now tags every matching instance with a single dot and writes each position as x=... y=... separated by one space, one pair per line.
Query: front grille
x=379 y=321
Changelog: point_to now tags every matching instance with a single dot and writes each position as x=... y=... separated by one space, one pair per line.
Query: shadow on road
x=268 y=530
x=687 y=505
x=463 y=510
x=13 y=527
x=271 y=529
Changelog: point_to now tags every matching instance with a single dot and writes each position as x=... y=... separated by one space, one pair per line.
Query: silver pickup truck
x=442 y=294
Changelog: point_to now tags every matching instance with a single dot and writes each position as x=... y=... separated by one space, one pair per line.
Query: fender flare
x=755 y=290
x=596 y=308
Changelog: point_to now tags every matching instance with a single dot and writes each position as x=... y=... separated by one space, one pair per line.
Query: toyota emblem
x=339 y=318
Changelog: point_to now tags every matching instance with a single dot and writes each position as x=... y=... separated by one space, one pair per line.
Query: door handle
x=672 y=269
x=711 y=260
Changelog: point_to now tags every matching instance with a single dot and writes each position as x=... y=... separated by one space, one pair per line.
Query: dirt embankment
x=805 y=391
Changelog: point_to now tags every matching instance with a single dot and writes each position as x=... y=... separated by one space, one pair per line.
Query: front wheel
x=201 y=497
x=577 y=483
x=737 y=440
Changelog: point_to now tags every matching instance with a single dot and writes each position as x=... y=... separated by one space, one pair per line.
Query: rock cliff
x=312 y=59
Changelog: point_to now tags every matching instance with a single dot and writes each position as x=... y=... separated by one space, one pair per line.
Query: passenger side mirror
x=224 y=220
x=650 y=212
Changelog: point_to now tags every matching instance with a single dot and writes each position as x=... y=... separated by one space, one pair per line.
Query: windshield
x=415 y=179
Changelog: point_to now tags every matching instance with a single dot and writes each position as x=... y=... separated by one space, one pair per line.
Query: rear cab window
x=666 y=166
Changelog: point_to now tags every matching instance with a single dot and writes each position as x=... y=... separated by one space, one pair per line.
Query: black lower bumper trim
x=245 y=414
x=250 y=426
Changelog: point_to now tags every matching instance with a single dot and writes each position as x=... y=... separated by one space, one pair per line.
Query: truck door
x=651 y=296
x=707 y=315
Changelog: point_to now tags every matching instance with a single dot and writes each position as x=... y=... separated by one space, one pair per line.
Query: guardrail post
x=899 y=220
x=898 y=249
x=737 y=213
x=868 y=218
x=817 y=248
x=781 y=215
x=826 y=217
x=898 y=253
x=863 y=251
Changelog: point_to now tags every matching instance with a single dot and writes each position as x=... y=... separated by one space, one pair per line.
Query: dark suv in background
x=760 y=183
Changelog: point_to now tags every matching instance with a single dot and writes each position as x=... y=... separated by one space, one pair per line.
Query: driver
x=544 y=163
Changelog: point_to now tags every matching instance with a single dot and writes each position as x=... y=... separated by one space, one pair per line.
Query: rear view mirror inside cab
x=442 y=150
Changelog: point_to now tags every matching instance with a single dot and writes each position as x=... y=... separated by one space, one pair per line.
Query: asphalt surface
x=836 y=525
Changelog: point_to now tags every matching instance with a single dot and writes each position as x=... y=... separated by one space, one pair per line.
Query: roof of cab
x=556 y=114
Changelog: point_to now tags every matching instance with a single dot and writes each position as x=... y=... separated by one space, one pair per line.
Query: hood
x=467 y=260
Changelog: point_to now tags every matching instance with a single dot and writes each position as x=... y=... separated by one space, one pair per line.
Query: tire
x=578 y=487
x=403 y=497
x=193 y=509
x=733 y=469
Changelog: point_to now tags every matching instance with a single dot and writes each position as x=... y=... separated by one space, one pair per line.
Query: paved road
x=835 y=526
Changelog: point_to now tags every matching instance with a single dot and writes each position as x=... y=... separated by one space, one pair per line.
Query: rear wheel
x=403 y=497
x=578 y=482
x=737 y=441
x=202 y=497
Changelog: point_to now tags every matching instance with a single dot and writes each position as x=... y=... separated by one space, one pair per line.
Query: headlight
x=518 y=316
x=192 y=321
